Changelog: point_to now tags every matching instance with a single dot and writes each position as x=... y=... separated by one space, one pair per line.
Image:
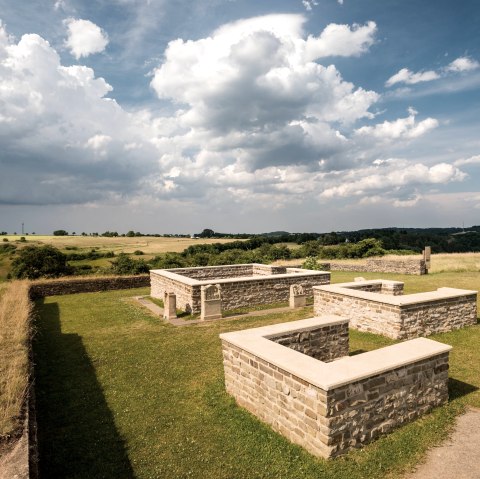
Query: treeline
x=48 y=262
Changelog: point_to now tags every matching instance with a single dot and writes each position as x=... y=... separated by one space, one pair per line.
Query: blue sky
x=241 y=116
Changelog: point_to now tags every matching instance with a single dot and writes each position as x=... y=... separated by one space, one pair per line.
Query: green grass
x=121 y=394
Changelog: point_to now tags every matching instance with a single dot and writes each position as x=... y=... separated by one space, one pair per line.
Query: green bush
x=35 y=262
x=311 y=262
x=126 y=265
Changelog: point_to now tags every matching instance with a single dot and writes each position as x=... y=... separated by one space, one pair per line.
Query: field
x=148 y=244
x=121 y=394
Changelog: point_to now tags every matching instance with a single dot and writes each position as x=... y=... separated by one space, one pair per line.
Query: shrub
x=311 y=262
x=126 y=265
x=138 y=252
x=35 y=262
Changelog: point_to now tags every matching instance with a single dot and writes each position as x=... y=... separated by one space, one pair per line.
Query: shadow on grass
x=458 y=389
x=77 y=436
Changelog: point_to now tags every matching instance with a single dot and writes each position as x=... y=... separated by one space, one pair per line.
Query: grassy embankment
x=121 y=394
x=14 y=337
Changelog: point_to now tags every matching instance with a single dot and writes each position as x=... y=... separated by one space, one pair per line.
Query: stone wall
x=323 y=342
x=215 y=272
x=42 y=288
x=405 y=266
x=266 y=289
x=331 y=408
x=186 y=294
x=238 y=290
x=398 y=317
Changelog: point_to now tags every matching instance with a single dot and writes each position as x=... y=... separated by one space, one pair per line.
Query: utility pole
x=22 y=228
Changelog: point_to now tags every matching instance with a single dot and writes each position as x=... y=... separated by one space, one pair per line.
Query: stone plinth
x=281 y=375
x=211 y=302
x=298 y=298
x=169 y=306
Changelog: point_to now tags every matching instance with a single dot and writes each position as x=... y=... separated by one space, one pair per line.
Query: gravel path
x=458 y=457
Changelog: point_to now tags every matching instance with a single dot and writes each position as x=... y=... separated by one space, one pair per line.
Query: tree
x=35 y=262
x=60 y=233
x=207 y=233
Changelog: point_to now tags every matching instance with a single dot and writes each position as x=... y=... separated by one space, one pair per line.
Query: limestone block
x=211 y=302
x=169 y=306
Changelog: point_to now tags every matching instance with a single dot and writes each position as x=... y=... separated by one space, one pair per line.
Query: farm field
x=121 y=394
x=147 y=244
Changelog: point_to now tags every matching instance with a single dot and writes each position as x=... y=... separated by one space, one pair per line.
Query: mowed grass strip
x=121 y=394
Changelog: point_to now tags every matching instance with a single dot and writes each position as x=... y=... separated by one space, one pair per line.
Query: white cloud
x=309 y=4
x=252 y=120
x=85 y=38
x=402 y=128
x=341 y=40
x=410 y=78
x=473 y=160
x=249 y=87
x=463 y=64
x=395 y=176
x=408 y=203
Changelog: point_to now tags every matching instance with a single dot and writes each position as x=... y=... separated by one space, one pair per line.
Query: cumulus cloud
x=54 y=123
x=257 y=115
x=473 y=160
x=394 y=176
x=84 y=38
x=410 y=78
x=461 y=64
x=252 y=87
x=402 y=128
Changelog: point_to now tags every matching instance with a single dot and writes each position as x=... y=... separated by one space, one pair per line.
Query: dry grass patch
x=15 y=309
x=148 y=244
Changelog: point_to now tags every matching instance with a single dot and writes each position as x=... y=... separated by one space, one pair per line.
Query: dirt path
x=458 y=457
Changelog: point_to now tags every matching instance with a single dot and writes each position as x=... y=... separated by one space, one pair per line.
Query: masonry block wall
x=406 y=266
x=398 y=316
x=238 y=289
x=324 y=342
x=326 y=408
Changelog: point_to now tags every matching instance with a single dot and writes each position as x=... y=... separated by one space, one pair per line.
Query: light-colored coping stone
x=327 y=376
x=177 y=276
x=349 y=289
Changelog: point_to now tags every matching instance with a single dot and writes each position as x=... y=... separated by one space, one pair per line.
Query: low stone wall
x=54 y=287
x=406 y=266
x=397 y=316
x=329 y=408
x=236 y=291
x=215 y=272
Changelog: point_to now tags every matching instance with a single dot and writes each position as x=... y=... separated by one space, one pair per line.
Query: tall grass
x=15 y=312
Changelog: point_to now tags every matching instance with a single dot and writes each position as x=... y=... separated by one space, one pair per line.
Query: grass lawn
x=121 y=395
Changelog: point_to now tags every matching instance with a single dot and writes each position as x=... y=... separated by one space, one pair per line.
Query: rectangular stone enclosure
x=379 y=307
x=241 y=285
x=298 y=378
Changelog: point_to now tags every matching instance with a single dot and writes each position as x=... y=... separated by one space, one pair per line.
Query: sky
x=171 y=116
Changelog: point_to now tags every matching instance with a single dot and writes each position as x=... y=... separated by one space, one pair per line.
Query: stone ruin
x=298 y=378
x=381 y=307
x=240 y=285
